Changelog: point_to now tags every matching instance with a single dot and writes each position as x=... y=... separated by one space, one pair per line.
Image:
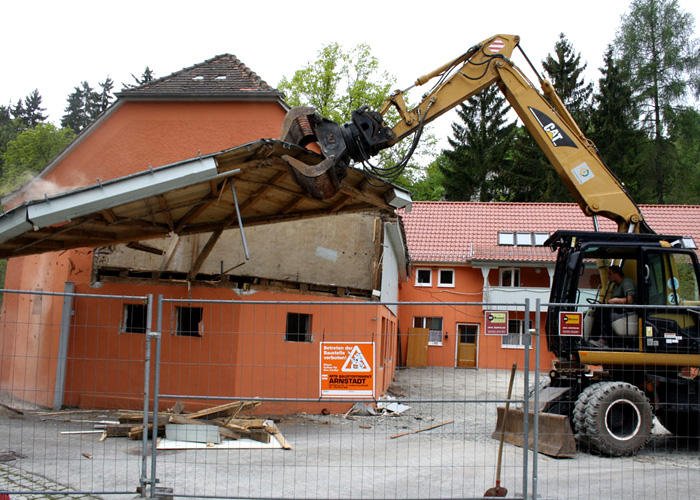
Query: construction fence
x=145 y=396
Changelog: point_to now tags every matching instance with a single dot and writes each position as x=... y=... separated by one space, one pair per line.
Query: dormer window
x=220 y=77
x=198 y=78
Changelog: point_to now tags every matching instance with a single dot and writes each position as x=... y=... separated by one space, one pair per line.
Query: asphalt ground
x=440 y=447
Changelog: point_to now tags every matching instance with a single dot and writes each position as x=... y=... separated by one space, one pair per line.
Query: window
x=523 y=239
x=135 y=316
x=434 y=325
x=424 y=277
x=189 y=321
x=509 y=276
x=540 y=238
x=446 y=277
x=506 y=238
x=298 y=328
x=516 y=334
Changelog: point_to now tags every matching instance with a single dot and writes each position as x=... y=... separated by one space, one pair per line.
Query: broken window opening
x=135 y=318
x=189 y=321
x=298 y=328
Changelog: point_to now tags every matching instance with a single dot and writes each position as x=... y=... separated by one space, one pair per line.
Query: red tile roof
x=223 y=75
x=468 y=231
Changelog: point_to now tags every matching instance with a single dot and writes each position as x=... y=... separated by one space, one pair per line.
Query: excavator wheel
x=613 y=418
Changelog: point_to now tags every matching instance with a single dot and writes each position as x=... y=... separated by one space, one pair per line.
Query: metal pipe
x=240 y=222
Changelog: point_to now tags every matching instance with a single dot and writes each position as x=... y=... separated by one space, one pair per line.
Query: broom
x=498 y=490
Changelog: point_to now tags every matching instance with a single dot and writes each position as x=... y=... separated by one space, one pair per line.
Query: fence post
x=526 y=399
x=146 y=389
x=536 y=410
x=156 y=390
x=66 y=315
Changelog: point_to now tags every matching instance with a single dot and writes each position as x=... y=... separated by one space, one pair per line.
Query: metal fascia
x=120 y=192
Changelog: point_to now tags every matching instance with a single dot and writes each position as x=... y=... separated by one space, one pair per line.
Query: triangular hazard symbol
x=356 y=362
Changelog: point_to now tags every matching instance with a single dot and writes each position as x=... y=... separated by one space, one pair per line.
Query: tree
x=656 y=45
x=33 y=112
x=146 y=77
x=479 y=148
x=565 y=71
x=30 y=152
x=684 y=133
x=339 y=82
x=613 y=129
x=85 y=104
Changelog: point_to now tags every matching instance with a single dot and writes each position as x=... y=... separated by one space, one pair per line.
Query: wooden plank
x=197 y=265
x=225 y=410
x=422 y=430
x=274 y=430
x=183 y=419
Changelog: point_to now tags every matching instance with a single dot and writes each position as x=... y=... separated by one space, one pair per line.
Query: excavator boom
x=573 y=156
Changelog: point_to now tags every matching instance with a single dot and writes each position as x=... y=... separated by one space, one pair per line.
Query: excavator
x=616 y=367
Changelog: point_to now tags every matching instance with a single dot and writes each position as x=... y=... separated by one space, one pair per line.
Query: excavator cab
x=664 y=316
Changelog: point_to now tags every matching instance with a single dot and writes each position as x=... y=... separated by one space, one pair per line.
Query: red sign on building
x=496 y=322
x=571 y=324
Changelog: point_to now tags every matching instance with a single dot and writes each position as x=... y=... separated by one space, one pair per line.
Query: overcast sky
x=53 y=46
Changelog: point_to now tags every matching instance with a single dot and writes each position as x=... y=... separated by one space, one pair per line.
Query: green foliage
x=530 y=177
x=656 y=46
x=147 y=76
x=30 y=152
x=684 y=134
x=622 y=146
x=471 y=170
x=339 y=82
x=85 y=104
x=565 y=71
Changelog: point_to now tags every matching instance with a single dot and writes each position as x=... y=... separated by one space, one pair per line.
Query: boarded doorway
x=467 y=335
x=418 y=347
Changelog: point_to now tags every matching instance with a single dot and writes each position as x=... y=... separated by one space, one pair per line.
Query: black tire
x=614 y=418
x=680 y=423
x=579 y=416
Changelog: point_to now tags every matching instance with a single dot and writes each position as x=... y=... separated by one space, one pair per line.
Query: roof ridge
x=175 y=82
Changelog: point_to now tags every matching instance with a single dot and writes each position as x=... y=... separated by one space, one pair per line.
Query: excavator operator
x=624 y=290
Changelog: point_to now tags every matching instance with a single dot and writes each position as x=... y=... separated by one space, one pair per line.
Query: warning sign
x=571 y=324
x=496 y=322
x=347 y=369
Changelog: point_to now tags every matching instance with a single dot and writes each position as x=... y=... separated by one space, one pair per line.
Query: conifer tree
x=472 y=168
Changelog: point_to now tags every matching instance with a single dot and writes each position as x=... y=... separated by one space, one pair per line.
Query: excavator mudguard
x=554 y=438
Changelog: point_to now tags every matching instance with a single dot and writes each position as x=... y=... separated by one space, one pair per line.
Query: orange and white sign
x=347 y=369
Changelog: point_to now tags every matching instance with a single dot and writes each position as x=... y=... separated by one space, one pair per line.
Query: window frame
x=515 y=272
x=439 y=278
x=421 y=322
x=198 y=333
x=299 y=337
x=430 y=274
x=515 y=324
x=124 y=326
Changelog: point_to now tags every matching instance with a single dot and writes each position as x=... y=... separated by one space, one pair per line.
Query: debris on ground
x=210 y=425
x=385 y=407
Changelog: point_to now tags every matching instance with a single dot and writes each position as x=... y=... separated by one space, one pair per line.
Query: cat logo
x=555 y=134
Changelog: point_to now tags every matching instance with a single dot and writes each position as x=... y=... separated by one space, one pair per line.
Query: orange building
x=492 y=255
x=218 y=341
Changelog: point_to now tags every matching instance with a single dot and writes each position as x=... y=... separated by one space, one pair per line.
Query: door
x=418 y=347
x=466 y=345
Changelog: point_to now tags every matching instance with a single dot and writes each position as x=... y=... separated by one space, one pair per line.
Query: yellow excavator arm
x=574 y=157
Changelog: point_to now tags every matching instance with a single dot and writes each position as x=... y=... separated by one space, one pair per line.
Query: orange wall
x=241 y=354
x=468 y=289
